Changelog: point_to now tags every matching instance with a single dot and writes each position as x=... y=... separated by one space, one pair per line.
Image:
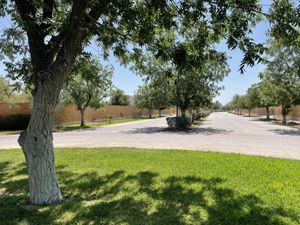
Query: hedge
x=14 y=122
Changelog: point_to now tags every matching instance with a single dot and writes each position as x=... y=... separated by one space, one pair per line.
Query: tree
x=118 y=97
x=162 y=92
x=251 y=99
x=237 y=103
x=283 y=73
x=9 y=95
x=88 y=85
x=5 y=90
x=144 y=98
x=266 y=93
x=284 y=18
x=159 y=80
x=51 y=34
x=216 y=105
x=197 y=84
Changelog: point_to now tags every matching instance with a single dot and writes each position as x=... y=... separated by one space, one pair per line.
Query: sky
x=234 y=83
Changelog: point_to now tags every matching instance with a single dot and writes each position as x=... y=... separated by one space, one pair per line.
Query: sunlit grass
x=157 y=187
x=70 y=127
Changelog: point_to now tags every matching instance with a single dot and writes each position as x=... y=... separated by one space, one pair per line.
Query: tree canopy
x=88 y=85
x=46 y=37
x=118 y=97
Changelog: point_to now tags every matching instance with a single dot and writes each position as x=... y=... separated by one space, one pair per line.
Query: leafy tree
x=118 y=97
x=216 y=105
x=50 y=34
x=144 y=98
x=88 y=85
x=159 y=80
x=5 y=90
x=284 y=17
x=266 y=93
x=237 y=103
x=283 y=73
x=196 y=84
x=162 y=92
x=251 y=99
x=9 y=95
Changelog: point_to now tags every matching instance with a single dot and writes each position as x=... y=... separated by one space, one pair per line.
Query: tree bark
x=268 y=112
x=37 y=144
x=283 y=115
x=150 y=113
x=82 y=123
x=249 y=112
x=159 y=112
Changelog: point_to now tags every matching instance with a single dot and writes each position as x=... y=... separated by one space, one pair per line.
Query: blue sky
x=234 y=83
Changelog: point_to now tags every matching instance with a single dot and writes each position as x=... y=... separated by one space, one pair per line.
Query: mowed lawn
x=158 y=187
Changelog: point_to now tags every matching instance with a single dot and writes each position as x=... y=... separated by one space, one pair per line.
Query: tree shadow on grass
x=142 y=198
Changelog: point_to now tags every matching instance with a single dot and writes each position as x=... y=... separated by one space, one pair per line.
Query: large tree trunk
x=37 y=144
x=249 y=112
x=82 y=123
x=268 y=112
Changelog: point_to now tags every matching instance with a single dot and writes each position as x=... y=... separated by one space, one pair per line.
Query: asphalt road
x=222 y=132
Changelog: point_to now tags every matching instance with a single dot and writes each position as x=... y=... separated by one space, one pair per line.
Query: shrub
x=199 y=115
x=14 y=122
x=179 y=122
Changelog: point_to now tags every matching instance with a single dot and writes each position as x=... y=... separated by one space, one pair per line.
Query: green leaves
x=285 y=21
x=88 y=84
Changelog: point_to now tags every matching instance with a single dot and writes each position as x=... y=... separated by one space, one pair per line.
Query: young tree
x=216 y=105
x=159 y=80
x=9 y=95
x=88 y=85
x=144 y=98
x=252 y=98
x=162 y=92
x=118 y=97
x=283 y=73
x=50 y=34
x=266 y=93
x=5 y=90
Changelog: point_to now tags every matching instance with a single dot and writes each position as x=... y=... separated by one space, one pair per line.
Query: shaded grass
x=159 y=187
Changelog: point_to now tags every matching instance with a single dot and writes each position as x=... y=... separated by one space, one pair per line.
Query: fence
x=69 y=114
x=294 y=114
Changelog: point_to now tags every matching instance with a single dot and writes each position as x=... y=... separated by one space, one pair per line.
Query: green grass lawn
x=130 y=186
x=70 y=127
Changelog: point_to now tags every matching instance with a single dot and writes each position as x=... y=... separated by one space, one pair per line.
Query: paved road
x=222 y=132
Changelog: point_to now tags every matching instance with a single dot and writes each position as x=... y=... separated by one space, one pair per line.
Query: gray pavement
x=221 y=132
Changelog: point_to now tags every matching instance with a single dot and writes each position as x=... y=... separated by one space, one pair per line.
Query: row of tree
x=189 y=86
x=46 y=37
x=279 y=84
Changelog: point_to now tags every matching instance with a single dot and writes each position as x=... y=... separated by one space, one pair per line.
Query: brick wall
x=69 y=114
